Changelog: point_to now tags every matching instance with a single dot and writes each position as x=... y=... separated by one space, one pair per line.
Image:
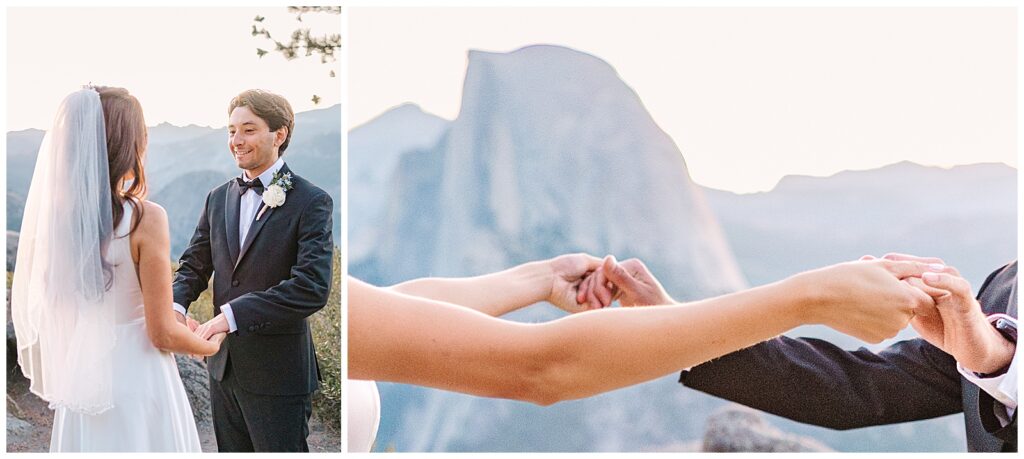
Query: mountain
x=966 y=215
x=379 y=143
x=544 y=158
x=551 y=153
x=22 y=149
x=184 y=163
x=164 y=133
x=183 y=214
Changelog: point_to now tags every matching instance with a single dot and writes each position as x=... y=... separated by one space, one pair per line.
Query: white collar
x=268 y=174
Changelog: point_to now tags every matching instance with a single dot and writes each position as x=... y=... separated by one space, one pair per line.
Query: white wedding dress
x=151 y=412
x=363 y=415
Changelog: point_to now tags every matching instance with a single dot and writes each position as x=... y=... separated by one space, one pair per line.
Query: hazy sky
x=748 y=94
x=183 y=64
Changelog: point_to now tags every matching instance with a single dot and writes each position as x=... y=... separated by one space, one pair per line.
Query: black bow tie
x=243 y=186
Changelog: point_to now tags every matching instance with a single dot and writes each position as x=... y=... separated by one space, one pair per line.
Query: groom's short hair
x=271 y=108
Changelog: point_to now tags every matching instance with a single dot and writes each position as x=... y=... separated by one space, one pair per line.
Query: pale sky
x=183 y=64
x=748 y=94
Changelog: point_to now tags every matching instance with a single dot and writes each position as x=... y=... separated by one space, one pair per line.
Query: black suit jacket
x=815 y=382
x=274 y=280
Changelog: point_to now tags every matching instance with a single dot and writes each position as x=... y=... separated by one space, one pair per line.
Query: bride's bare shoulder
x=153 y=219
x=150 y=206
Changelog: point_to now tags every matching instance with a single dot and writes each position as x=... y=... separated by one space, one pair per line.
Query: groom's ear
x=280 y=135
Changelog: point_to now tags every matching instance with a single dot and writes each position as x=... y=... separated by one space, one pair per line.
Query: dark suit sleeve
x=994 y=286
x=815 y=382
x=196 y=265
x=306 y=291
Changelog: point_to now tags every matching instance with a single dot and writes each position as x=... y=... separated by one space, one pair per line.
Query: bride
x=91 y=294
x=443 y=333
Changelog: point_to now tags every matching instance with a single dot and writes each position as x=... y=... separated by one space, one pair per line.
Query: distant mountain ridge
x=965 y=214
x=184 y=163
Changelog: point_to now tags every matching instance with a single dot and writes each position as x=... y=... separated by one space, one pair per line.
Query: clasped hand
x=214 y=330
x=581 y=282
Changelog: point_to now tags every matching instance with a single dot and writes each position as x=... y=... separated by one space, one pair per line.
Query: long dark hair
x=127 y=138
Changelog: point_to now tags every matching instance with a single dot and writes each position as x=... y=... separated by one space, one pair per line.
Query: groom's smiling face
x=251 y=141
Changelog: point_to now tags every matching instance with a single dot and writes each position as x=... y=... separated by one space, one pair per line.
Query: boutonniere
x=275 y=193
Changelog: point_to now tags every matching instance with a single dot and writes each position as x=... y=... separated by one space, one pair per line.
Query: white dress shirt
x=248 y=206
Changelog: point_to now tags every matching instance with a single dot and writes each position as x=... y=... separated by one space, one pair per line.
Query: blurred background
x=726 y=148
x=184 y=65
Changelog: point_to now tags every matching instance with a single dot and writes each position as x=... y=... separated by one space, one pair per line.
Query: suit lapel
x=254 y=231
x=1011 y=305
x=257 y=225
x=232 y=209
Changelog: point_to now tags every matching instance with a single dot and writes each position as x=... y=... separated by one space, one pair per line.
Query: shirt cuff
x=181 y=309
x=1002 y=388
x=230 y=316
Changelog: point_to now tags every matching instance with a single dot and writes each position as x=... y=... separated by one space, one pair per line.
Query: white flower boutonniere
x=276 y=192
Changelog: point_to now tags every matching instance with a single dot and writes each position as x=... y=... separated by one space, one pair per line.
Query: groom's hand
x=218 y=324
x=218 y=338
x=629 y=281
x=959 y=326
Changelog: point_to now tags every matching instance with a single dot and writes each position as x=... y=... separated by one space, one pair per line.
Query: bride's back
x=126 y=293
x=126 y=139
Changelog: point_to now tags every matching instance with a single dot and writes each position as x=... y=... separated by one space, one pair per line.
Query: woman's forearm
x=494 y=294
x=597 y=351
x=152 y=242
x=167 y=334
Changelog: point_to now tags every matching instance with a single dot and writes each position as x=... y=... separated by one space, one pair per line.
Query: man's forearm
x=494 y=294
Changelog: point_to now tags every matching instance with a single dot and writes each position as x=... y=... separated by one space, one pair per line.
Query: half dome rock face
x=551 y=153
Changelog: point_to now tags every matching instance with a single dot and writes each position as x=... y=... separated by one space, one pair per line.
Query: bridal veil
x=63 y=317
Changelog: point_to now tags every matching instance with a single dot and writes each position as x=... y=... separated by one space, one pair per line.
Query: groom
x=265 y=237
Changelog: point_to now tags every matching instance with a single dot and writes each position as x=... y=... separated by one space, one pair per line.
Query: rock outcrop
x=736 y=428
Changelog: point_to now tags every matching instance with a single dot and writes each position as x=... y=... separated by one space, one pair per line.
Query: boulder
x=18 y=431
x=12 y=249
x=197 y=385
x=12 y=407
x=12 y=344
x=740 y=429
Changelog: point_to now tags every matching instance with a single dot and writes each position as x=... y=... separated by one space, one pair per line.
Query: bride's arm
x=505 y=291
x=151 y=247
x=401 y=338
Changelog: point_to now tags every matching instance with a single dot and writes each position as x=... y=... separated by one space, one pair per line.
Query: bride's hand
x=215 y=342
x=567 y=272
